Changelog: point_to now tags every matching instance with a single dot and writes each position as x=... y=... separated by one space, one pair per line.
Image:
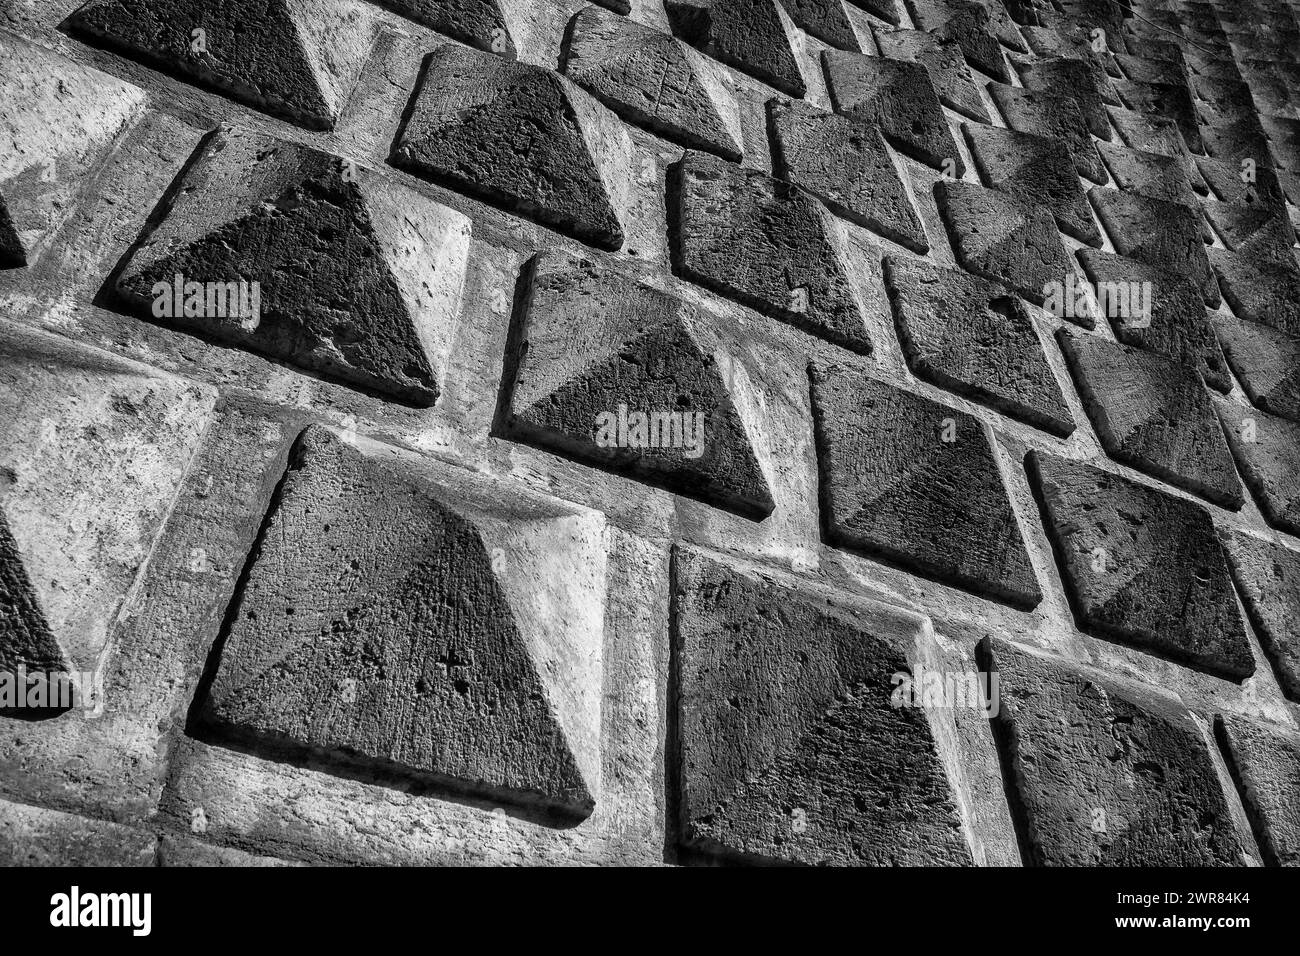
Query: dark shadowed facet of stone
x=976 y=338
x=790 y=749
x=899 y=97
x=1265 y=762
x=746 y=34
x=1268 y=576
x=1267 y=449
x=1171 y=101
x=25 y=637
x=1142 y=566
x=1052 y=114
x=1153 y=414
x=339 y=256
x=592 y=343
x=1260 y=288
x=480 y=23
x=1149 y=174
x=1037 y=171
x=1162 y=234
x=522 y=137
x=952 y=77
x=654 y=80
x=1000 y=237
x=1109 y=772
x=293 y=58
x=1069 y=77
x=372 y=629
x=767 y=244
x=1266 y=361
x=967 y=23
x=916 y=482
x=1176 y=324
x=827 y=20
x=845 y=163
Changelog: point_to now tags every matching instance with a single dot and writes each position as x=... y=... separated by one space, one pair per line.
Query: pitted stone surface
x=1176 y=324
x=1086 y=746
x=95 y=449
x=846 y=164
x=1147 y=69
x=480 y=23
x=827 y=20
x=746 y=34
x=1063 y=76
x=1284 y=140
x=1168 y=101
x=1142 y=566
x=1268 y=576
x=1260 y=228
x=328 y=244
x=1267 y=449
x=521 y=136
x=766 y=244
x=1155 y=134
x=655 y=81
x=1266 y=361
x=887 y=10
x=952 y=77
x=1162 y=234
x=1036 y=170
x=374 y=628
x=966 y=22
x=897 y=96
x=975 y=338
x=1237 y=141
x=917 y=483
x=1051 y=114
x=593 y=344
x=1153 y=414
x=1222 y=100
x=1260 y=288
x=298 y=59
x=1149 y=174
x=1051 y=44
x=58 y=120
x=794 y=722
x=1265 y=761
x=1000 y=237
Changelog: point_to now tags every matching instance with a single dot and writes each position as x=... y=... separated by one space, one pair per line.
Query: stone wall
x=530 y=432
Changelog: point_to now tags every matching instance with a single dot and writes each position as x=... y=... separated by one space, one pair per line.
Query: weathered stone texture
x=847 y=165
x=596 y=344
x=524 y=137
x=373 y=626
x=341 y=259
x=891 y=466
x=1109 y=772
x=974 y=337
x=1268 y=576
x=1154 y=414
x=767 y=244
x=1265 y=761
x=746 y=34
x=1143 y=566
x=790 y=747
x=295 y=58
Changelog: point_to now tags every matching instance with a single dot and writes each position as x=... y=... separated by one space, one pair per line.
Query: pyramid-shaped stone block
x=388 y=621
x=523 y=137
x=767 y=244
x=480 y=23
x=975 y=338
x=630 y=378
x=357 y=279
x=846 y=164
x=654 y=80
x=1109 y=772
x=1266 y=361
x=1268 y=576
x=1142 y=566
x=1265 y=759
x=1066 y=76
x=1054 y=114
x=899 y=97
x=1267 y=449
x=58 y=121
x=952 y=77
x=891 y=463
x=1003 y=238
x=1175 y=324
x=94 y=454
x=747 y=34
x=1036 y=170
x=790 y=747
x=1153 y=414
x=298 y=59
x=1163 y=234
